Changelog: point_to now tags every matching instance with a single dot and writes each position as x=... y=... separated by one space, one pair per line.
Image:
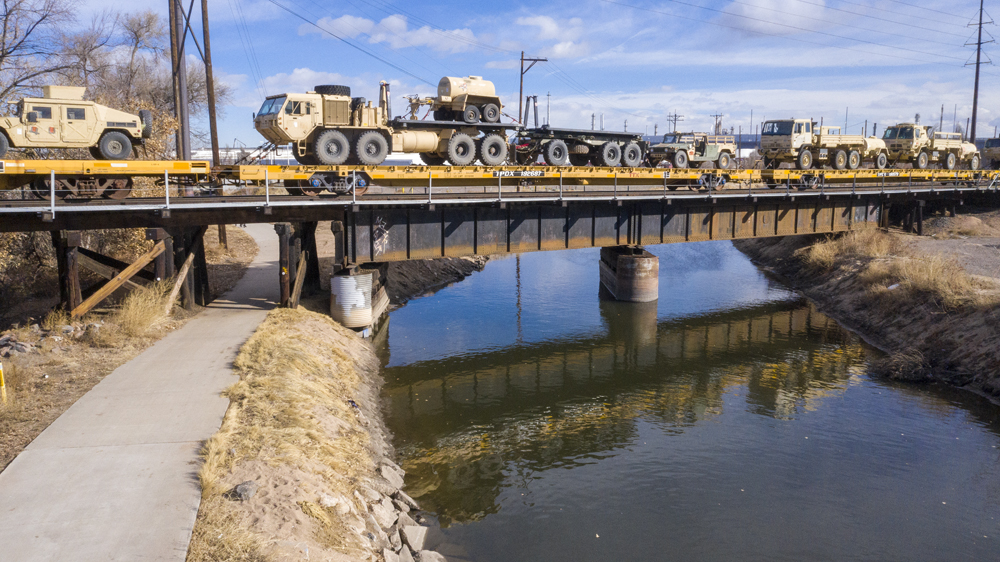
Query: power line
x=923 y=8
x=875 y=18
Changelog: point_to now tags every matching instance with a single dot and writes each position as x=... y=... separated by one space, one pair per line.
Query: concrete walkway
x=115 y=476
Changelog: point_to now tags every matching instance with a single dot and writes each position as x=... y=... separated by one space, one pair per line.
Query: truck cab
x=785 y=134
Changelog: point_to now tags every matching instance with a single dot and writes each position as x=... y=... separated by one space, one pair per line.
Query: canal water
x=538 y=421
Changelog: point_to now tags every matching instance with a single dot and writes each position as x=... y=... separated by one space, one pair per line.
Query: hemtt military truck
x=62 y=119
x=329 y=127
x=801 y=142
x=682 y=149
x=921 y=146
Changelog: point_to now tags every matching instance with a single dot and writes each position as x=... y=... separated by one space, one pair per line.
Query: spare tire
x=146 y=118
x=328 y=90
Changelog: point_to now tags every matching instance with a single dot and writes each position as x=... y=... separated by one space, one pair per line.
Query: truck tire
x=328 y=90
x=922 y=161
x=805 y=160
x=4 y=145
x=471 y=114
x=306 y=160
x=579 y=159
x=608 y=155
x=114 y=146
x=432 y=158
x=950 y=161
x=555 y=153
x=146 y=118
x=724 y=161
x=839 y=160
x=881 y=161
x=853 y=160
x=680 y=159
x=331 y=148
x=493 y=150
x=461 y=150
x=371 y=148
x=444 y=114
x=491 y=113
x=974 y=163
x=631 y=155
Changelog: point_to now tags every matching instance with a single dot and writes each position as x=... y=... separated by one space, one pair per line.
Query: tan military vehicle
x=329 y=127
x=683 y=149
x=62 y=119
x=801 y=142
x=991 y=153
x=921 y=146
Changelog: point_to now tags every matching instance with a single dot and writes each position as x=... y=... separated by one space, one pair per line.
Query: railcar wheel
x=491 y=113
x=461 y=150
x=117 y=188
x=555 y=153
x=372 y=148
x=680 y=159
x=631 y=155
x=331 y=148
x=493 y=150
x=853 y=160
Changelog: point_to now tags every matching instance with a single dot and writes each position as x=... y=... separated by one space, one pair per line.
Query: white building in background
x=282 y=156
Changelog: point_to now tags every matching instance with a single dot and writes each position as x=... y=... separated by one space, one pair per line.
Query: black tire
x=724 y=161
x=631 y=155
x=493 y=150
x=853 y=160
x=471 y=114
x=839 y=160
x=371 y=148
x=146 y=118
x=444 y=114
x=491 y=113
x=432 y=159
x=805 y=160
x=680 y=159
x=608 y=155
x=579 y=159
x=523 y=157
x=768 y=163
x=328 y=90
x=461 y=150
x=881 y=161
x=307 y=160
x=331 y=148
x=95 y=153
x=950 y=161
x=4 y=145
x=921 y=161
x=115 y=146
x=555 y=153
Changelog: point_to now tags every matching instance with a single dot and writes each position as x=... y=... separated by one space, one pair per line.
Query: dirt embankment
x=932 y=303
x=411 y=279
x=302 y=467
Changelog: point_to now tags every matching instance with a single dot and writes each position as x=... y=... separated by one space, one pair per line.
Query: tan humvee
x=61 y=118
x=683 y=149
x=800 y=141
x=921 y=146
x=329 y=127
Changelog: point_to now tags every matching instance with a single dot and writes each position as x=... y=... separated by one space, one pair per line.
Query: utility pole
x=975 y=90
x=210 y=85
x=626 y=125
x=656 y=127
x=180 y=67
x=172 y=17
x=941 y=122
x=592 y=116
x=520 y=97
x=847 y=111
x=674 y=118
x=718 y=122
x=548 y=106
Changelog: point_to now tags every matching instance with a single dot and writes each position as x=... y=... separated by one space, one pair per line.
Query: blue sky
x=881 y=60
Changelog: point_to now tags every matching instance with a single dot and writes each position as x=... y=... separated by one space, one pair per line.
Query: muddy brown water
x=728 y=421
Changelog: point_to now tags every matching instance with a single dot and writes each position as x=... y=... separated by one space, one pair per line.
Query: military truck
x=922 y=147
x=328 y=127
x=801 y=142
x=61 y=118
x=683 y=149
x=991 y=153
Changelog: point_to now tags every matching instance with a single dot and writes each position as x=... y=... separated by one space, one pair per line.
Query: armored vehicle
x=62 y=119
x=921 y=146
x=682 y=149
x=329 y=127
x=801 y=142
x=991 y=153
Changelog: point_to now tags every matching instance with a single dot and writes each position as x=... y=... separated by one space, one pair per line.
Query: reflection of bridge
x=534 y=405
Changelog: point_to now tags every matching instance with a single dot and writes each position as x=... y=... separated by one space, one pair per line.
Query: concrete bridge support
x=357 y=296
x=630 y=273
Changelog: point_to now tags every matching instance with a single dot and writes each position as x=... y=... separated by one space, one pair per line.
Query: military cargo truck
x=801 y=142
x=991 y=153
x=684 y=149
x=922 y=147
x=329 y=127
x=61 y=118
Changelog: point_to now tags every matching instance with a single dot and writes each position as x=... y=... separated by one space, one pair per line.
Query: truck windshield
x=777 y=128
x=271 y=106
x=992 y=143
x=904 y=133
x=667 y=139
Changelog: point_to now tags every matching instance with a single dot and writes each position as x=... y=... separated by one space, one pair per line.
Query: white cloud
x=777 y=17
x=566 y=50
x=551 y=29
x=396 y=33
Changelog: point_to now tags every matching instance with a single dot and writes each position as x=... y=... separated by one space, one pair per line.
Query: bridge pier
x=630 y=273
x=67 y=243
x=195 y=288
x=357 y=296
x=298 y=262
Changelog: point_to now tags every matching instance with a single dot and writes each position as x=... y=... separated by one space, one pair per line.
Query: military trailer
x=329 y=127
x=578 y=147
x=61 y=118
x=684 y=149
x=921 y=146
x=801 y=142
x=991 y=153
x=470 y=99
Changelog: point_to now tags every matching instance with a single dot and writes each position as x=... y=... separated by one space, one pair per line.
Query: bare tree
x=28 y=45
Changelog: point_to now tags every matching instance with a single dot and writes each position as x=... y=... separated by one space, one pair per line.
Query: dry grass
x=865 y=243
x=908 y=364
x=15 y=382
x=294 y=377
x=143 y=308
x=54 y=319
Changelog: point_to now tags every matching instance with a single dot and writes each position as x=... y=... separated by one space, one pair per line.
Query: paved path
x=115 y=476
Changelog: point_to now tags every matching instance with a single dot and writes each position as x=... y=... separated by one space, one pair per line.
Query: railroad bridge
x=390 y=213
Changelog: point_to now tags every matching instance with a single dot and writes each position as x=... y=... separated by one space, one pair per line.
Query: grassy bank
x=934 y=319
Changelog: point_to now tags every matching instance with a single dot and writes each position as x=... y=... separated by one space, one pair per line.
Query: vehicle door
x=44 y=131
x=78 y=123
x=801 y=135
x=298 y=117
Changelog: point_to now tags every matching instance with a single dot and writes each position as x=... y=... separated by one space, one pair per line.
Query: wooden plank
x=300 y=277
x=117 y=282
x=178 y=283
x=116 y=265
x=103 y=270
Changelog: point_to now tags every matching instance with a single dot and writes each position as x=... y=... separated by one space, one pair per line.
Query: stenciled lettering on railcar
x=518 y=174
